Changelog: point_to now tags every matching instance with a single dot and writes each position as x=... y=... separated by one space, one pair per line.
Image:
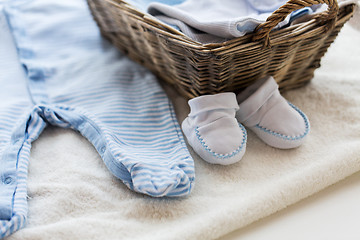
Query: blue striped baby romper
x=56 y=69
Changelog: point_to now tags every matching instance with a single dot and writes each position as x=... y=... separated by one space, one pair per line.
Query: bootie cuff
x=207 y=103
x=255 y=97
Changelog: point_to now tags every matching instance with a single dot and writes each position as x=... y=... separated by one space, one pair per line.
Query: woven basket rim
x=178 y=37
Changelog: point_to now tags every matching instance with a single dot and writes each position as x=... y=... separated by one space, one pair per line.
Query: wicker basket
x=290 y=54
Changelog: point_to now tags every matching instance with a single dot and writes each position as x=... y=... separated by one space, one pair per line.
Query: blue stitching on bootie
x=218 y=155
x=286 y=137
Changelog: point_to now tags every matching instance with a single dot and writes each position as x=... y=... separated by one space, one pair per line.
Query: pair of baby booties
x=215 y=128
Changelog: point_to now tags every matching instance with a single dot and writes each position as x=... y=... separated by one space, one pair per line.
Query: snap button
x=103 y=149
x=8 y=180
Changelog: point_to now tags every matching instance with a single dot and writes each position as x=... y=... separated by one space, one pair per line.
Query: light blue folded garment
x=56 y=69
x=209 y=21
x=142 y=5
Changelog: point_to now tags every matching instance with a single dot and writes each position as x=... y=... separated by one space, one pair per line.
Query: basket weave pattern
x=290 y=55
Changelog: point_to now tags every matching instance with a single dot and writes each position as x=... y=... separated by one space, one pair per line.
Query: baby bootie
x=212 y=129
x=273 y=119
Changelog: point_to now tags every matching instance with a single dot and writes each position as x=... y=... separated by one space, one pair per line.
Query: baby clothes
x=209 y=21
x=142 y=5
x=276 y=121
x=355 y=20
x=212 y=130
x=214 y=126
x=56 y=69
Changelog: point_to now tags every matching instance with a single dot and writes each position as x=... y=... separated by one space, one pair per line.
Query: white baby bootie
x=212 y=129
x=273 y=119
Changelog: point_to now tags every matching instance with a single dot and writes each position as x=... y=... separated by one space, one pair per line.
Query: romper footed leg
x=152 y=161
x=14 y=158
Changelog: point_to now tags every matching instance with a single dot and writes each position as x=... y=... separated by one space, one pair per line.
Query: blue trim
x=218 y=155
x=286 y=137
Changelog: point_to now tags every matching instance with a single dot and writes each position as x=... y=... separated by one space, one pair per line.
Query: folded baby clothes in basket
x=210 y=21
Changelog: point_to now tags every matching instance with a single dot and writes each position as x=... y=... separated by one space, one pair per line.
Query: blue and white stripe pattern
x=56 y=69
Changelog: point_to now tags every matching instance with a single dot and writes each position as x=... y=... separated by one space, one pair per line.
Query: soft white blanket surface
x=72 y=195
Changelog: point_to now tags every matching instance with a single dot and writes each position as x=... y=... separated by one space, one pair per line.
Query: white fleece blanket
x=72 y=195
